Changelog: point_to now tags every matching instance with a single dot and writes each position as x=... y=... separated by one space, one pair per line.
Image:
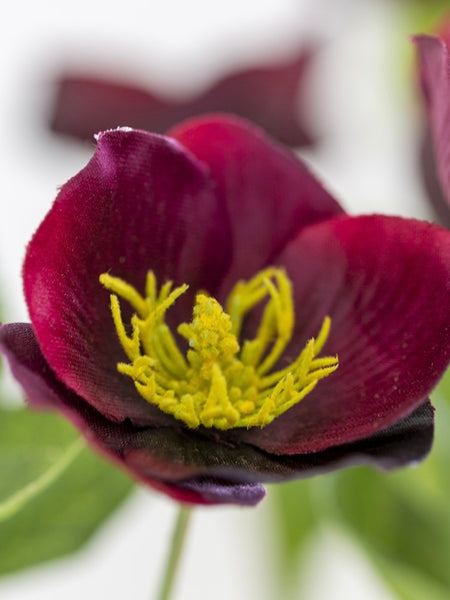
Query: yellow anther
x=125 y=290
x=218 y=384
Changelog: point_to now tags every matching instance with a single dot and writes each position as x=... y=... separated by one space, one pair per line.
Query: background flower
x=434 y=61
x=271 y=95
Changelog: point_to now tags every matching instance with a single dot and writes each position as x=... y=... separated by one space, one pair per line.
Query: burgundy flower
x=284 y=286
x=269 y=95
x=434 y=71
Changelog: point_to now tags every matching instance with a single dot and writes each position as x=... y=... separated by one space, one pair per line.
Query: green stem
x=178 y=538
x=11 y=506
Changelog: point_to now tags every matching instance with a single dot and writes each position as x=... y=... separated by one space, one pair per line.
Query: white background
x=359 y=100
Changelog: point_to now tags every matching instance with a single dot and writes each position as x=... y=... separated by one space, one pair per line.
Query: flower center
x=219 y=383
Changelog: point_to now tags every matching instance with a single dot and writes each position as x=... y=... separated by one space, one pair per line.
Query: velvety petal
x=434 y=68
x=269 y=95
x=186 y=464
x=407 y=441
x=385 y=283
x=42 y=389
x=141 y=203
x=268 y=192
x=226 y=492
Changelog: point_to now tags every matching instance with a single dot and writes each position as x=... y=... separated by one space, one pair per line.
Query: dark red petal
x=407 y=441
x=434 y=69
x=42 y=389
x=84 y=105
x=269 y=95
x=385 y=283
x=141 y=203
x=268 y=192
x=189 y=466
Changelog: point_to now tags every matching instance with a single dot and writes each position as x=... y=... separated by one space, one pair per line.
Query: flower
x=313 y=343
x=434 y=68
x=270 y=94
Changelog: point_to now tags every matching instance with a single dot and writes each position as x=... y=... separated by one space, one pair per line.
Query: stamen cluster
x=218 y=383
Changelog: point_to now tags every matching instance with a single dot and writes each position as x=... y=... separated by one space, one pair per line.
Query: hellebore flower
x=206 y=403
x=270 y=95
x=434 y=72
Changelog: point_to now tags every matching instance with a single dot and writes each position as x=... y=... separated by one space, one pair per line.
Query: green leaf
x=403 y=518
x=297 y=508
x=64 y=515
x=408 y=583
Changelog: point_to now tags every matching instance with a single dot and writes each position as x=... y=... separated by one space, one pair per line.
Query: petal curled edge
x=385 y=283
x=141 y=203
x=268 y=192
x=434 y=71
x=189 y=466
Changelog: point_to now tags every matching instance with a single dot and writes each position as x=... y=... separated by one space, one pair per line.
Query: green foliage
x=401 y=519
x=64 y=516
x=425 y=16
x=298 y=508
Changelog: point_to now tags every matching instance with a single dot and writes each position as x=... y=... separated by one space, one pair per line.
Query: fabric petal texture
x=211 y=203
x=268 y=193
x=380 y=272
x=270 y=95
x=139 y=200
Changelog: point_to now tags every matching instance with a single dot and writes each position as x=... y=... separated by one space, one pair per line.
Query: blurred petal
x=269 y=95
x=268 y=192
x=85 y=105
x=434 y=68
x=385 y=283
x=141 y=203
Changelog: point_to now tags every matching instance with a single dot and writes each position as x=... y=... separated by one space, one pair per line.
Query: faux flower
x=434 y=69
x=271 y=95
x=210 y=318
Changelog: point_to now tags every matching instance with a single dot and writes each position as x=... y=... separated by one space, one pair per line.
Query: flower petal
x=385 y=283
x=269 y=95
x=223 y=492
x=405 y=442
x=187 y=465
x=141 y=203
x=268 y=192
x=43 y=390
x=84 y=105
x=434 y=67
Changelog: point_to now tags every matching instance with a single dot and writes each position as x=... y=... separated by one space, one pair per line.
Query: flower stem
x=178 y=538
x=11 y=506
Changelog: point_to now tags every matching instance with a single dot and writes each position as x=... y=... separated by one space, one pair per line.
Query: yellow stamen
x=218 y=383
